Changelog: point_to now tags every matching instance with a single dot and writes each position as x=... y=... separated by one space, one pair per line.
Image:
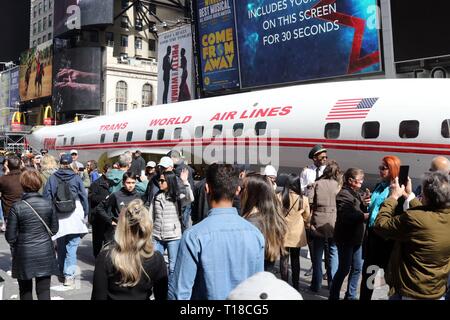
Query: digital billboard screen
x=77 y=79
x=285 y=41
x=74 y=14
x=35 y=78
x=14 y=97
x=217 y=43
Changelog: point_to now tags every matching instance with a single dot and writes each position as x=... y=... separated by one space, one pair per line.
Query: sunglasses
x=161 y=180
x=383 y=168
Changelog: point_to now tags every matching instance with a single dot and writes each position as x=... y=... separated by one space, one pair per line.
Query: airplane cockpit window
x=260 y=128
x=238 y=129
x=445 y=128
x=199 y=132
x=129 y=136
x=409 y=129
x=64 y=141
x=217 y=130
x=332 y=130
x=177 y=133
x=116 y=137
x=370 y=130
x=148 y=135
x=72 y=141
x=102 y=138
x=160 y=135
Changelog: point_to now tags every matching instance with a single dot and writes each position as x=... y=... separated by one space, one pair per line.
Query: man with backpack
x=66 y=191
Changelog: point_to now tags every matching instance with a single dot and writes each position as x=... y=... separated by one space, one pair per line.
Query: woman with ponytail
x=130 y=268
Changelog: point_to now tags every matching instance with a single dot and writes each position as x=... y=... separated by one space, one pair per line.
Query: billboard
x=217 y=43
x=175 y=65
x=14 y=97
x=35 y=78
x=77 y=78
x=74 y=14
x=4 y=89
x=285 y=41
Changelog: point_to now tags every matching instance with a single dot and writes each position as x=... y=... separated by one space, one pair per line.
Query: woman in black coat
x=33 y=255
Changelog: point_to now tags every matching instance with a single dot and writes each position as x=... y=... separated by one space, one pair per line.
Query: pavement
x=83 y=284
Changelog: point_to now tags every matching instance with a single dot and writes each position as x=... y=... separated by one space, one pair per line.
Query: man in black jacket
x=109 y=209
x=138 y=164
x=98 y=192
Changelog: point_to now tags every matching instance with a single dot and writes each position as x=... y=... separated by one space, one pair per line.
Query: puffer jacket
x=33 y=254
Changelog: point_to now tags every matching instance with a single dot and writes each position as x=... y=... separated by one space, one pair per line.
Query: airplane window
x=102 y=138
x=72 y=141
x=332 y=130
x=238 y=129
x=260 y=128
x=161 y=134
x=217 y=130
x=129 y=136
x=116 y=137
x=370 y=130
x=177 y=133
x=148 y=135
x=199 y=131
x=409 y=129
x=445 y=128
x=64 y=141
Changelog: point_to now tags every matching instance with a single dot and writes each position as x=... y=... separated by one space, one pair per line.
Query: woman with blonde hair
x=130 y=268
x=261 y=207
x=49 y=166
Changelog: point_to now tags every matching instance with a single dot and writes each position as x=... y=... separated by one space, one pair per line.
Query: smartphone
x=403 y=175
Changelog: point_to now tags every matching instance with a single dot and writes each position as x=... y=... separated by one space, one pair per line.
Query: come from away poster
x=217 y=41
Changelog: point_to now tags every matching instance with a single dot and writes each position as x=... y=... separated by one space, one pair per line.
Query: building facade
x=41 y=22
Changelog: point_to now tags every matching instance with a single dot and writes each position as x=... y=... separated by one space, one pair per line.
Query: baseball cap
x=270 y=171
x=151 y=164
x=66 y=159
x=165 y=162
x=73 y=151
x=264 y=286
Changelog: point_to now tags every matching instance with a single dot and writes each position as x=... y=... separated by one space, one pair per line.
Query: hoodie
x=75 y=184
x=115 y=177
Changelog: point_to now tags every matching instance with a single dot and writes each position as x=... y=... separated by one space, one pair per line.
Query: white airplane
x=359 y=122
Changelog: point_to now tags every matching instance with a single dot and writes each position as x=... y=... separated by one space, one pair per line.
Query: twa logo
x=232 y=146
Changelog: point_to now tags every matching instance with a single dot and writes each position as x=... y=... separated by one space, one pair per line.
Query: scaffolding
x=13 y=139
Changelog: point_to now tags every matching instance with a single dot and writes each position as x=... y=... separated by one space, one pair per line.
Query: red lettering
x=177 y=121
x=223 y=116
x=124 y=125
x=285 y=111
x=216 y=117
x=231 y=115
x=187 y=119
x=102 y=127
x=163 y=121
x=154 y=122
x=262 y=112
x=273 y=112
x=252 y=115
x=171 y=120
x=244 y=115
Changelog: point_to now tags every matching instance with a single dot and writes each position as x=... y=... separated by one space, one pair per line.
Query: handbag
x=50 y=233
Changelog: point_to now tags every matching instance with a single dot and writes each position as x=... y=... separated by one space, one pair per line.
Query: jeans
x=42 y=288
x=318 y=249
x=350 y=261
x=67 y=254
x=172 y=250
x=294 y=254
x=2 y=218
x=187 y=222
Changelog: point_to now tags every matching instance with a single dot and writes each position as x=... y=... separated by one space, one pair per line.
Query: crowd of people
x=225 y=234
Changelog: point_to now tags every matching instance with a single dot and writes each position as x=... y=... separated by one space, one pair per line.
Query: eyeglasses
x=383 y=168
x=323 y=158
x=359 y=180
x=161 y=180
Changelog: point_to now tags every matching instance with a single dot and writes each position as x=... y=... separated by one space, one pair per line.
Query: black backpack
x=64 y=200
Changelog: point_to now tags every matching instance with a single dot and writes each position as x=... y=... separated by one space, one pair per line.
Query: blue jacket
x=215 y=256
x=75 y=183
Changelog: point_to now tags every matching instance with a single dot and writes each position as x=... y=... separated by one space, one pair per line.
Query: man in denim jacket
x=222 y=250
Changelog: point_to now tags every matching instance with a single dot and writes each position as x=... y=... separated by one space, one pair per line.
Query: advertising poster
x=4 y=89
x=77 y=79
x=74 y=14
x=14 y=97
x=175 y=66
x=36 y=72
x=217 y=42
x=283 y=41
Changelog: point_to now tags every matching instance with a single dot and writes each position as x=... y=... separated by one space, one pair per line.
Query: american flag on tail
x=351 y=109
